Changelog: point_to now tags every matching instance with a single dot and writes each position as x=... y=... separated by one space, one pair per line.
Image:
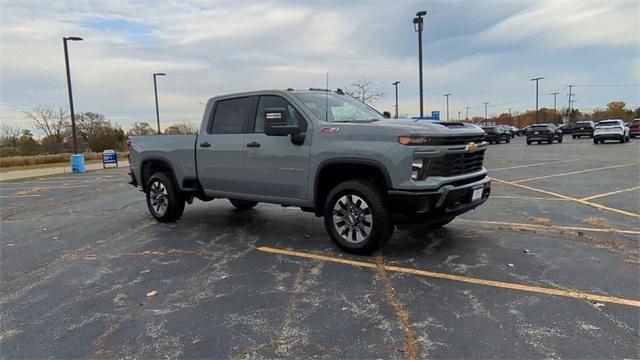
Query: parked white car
x=614 y=129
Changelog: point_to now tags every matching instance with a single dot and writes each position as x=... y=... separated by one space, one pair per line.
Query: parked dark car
x=522 y=131
x=543 y=132
x=583 y=128
x=566 y=129
x=634 y=128
x=508 y=129
x=495 y=134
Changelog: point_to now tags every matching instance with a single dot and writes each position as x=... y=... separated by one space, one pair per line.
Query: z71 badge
x=329 y=130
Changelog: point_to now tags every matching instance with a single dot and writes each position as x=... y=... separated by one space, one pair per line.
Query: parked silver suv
x=324 y=152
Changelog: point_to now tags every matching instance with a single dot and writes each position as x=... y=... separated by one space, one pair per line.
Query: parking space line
x=459 y=278
x=17 y=196
x=44 y=187
x=559 y=227
x=609 y=193
x=580 y=201
x=572 y=173
x=525 y=198
x=536 y=164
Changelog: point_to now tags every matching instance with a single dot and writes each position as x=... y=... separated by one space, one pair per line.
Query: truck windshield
x=333 y=107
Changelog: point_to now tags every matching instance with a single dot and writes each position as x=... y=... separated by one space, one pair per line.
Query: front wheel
x=559 y=139
x=356 y=217
x=243 y=204
x=507 y=140
x=528 y=142
x=595 y=141
x=165 y=202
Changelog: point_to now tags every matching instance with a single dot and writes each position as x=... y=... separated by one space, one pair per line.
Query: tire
x=601 y=141
x=628 y=138
x=243 y=204
x=560 y=140
x=528 y=142
x=595 y=141
x=539 y=142
x=164 y=201
x=508 y=140
x=365 y=201
x=622 y=139
x=574 y=136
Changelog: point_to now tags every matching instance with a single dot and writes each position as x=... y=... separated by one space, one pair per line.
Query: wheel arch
x=151 y=165
x=334 y=171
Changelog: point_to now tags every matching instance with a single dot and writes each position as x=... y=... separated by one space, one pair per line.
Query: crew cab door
x=276 y=167
x=220 y=147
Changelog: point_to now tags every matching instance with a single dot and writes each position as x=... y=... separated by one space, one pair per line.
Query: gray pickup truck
x=324 y=152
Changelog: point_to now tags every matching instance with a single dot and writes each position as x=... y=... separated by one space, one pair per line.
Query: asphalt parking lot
x=547 y=268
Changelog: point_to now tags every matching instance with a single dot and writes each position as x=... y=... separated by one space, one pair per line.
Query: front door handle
x=205 y=144
x=253 y=144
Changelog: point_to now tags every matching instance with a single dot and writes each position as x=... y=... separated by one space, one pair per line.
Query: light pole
x=485 y=111
x=467 y=117
x=536 y=80
x=73 y=115
x=396 y=85
x=418 y=25
x=459 y=116
x=155 y=89
x=447 y=96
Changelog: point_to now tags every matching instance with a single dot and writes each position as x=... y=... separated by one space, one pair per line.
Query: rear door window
x=231 y=115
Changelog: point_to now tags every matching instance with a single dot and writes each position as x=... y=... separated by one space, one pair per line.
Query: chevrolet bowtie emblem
x=471 y=148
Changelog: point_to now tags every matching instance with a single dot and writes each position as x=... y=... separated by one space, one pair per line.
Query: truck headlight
x=416 y=167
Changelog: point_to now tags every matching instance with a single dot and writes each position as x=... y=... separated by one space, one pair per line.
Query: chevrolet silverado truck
x=324 y=152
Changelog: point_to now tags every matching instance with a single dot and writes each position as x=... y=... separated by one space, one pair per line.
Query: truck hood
x=424 y=127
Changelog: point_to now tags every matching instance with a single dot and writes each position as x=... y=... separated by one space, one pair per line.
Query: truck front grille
x=456 y=164
x=456 y=140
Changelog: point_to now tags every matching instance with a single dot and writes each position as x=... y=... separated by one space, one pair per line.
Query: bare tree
x=9 y=136
x=52 y=122
x=141 y=128
x=364 y=91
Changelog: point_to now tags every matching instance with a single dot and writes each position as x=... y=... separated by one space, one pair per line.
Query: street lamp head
x=447 y=94
x=396 y=83
x=159 y=74
x=538 y=78
x=73 y=38
x=421 y=13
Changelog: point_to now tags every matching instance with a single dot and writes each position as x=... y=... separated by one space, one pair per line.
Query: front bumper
x=424 y=207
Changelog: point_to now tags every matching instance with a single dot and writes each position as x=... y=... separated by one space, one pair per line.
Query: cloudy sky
x=477 y=50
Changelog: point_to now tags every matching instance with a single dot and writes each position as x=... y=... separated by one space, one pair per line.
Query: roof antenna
x=326 y=106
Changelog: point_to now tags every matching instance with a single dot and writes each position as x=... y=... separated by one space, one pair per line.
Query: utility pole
x=536 y=80
x=396 y=85
x=509 y=111
x=155 y=89
x=459 y=115
x=467 y=117
x=418 y=26
x=73 y=115
x=485 y=111
x=569 y=105
x=447 y=96
x=554 y=100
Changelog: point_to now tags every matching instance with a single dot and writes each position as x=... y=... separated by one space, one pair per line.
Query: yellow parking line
x=610 y=193
x=459 y=278
x=536 y=164
x=572 y=173
x=535 y=226
x=580 y=201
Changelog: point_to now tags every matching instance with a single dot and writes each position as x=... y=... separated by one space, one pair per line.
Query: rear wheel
x=574 y=136
x=539 y=142
x=559 y=139
x=528 y=142
x=508 y=140
x=243 y=204
x=165 y=202
x=356 y=217
x=595 y=141
x=622 y=139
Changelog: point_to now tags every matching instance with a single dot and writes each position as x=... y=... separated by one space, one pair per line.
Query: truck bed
x=177 y=150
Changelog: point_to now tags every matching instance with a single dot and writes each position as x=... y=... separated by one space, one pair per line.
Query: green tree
x=27 y=144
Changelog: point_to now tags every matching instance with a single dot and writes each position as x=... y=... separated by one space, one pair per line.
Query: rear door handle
x=205 y=144
x=253 y=144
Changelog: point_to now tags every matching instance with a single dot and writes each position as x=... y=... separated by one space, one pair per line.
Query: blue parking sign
x=109 y=157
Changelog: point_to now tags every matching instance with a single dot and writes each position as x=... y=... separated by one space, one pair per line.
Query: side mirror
x=387 y=115
x=276 y=124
